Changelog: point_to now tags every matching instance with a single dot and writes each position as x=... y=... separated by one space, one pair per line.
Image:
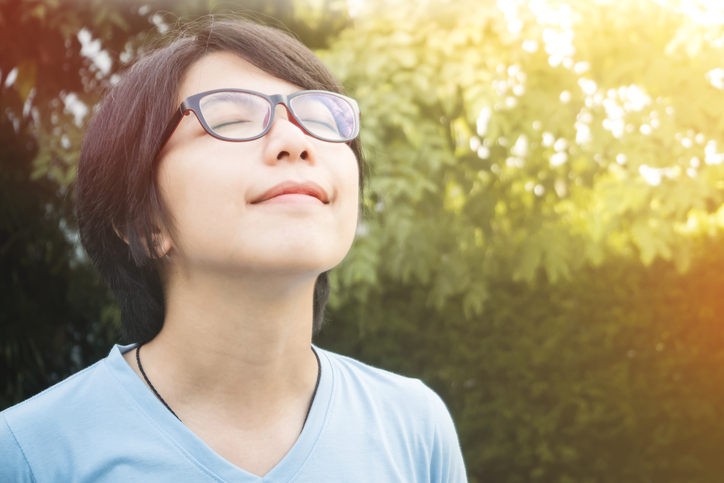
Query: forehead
x=220 y=70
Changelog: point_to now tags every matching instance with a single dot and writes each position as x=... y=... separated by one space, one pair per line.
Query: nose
x=286 y=140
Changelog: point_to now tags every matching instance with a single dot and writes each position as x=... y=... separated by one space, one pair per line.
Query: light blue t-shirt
x=104 y=424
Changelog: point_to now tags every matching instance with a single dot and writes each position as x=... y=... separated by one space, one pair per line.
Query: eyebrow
x=237 y=97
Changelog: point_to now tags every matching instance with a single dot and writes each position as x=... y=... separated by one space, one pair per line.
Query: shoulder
x=26 y=429
x=363 y=379
x=64 y=408
x=70 y=407
x=397 y=413
x=14 y=465
x=399 y=399
x=54 y=401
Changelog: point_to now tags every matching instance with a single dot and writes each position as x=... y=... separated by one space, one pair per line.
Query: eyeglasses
x=242 y=115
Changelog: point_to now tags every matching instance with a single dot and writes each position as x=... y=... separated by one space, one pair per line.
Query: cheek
x=349 y=191
x=201 y=191
x=206 y=188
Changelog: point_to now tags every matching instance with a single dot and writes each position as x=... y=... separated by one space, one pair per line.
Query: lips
x=309 y=188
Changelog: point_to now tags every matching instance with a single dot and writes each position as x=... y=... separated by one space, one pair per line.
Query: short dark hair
x=116 y=189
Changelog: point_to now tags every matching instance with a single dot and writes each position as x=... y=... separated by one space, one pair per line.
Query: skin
x=233 y=359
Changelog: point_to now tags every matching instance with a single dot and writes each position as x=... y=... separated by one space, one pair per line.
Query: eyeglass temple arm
x=359 y=120
x=172 y=126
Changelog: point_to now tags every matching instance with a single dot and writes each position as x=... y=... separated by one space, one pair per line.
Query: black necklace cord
x=316 y=386
x=138 y=359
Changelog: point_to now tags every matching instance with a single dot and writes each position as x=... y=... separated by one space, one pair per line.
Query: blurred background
x=544 y=214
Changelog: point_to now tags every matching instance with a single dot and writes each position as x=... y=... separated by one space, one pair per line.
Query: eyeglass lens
x=242 y=115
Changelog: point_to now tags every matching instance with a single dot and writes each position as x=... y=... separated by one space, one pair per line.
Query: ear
x=162 y=241
x=120 y=234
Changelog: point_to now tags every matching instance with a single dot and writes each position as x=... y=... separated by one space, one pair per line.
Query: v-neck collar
x=161 y=420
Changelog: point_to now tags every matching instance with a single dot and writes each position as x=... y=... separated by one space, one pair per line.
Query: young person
x=218 y=183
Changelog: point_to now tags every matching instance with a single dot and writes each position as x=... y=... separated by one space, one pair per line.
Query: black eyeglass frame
x=193 y=104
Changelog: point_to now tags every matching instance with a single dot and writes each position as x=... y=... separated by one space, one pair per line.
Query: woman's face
x=221 y=195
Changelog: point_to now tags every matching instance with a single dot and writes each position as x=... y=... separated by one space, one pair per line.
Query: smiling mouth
x=294 y=192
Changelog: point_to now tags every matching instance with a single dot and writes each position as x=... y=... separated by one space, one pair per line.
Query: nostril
x=290 y=155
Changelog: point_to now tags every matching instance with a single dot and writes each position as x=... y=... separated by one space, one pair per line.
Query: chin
x=293 y=258
x=307 y=260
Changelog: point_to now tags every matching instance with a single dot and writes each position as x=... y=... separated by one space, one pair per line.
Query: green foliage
x=541 y=229
x=535 y=178
x=613 y=376
x=52 y=321
x=507 y=143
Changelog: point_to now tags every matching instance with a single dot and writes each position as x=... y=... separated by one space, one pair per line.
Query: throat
x=160 y=398
x=255 y=438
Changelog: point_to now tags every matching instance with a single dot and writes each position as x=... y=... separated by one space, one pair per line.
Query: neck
x=234 y=347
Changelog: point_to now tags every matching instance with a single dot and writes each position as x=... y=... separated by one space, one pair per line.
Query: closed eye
x=227 y=124
x=317 y=125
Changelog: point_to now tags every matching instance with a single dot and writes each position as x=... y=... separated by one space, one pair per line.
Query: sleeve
x=13 y=465
x=446 y=463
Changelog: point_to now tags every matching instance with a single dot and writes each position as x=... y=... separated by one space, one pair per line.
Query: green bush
x=613 y=376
